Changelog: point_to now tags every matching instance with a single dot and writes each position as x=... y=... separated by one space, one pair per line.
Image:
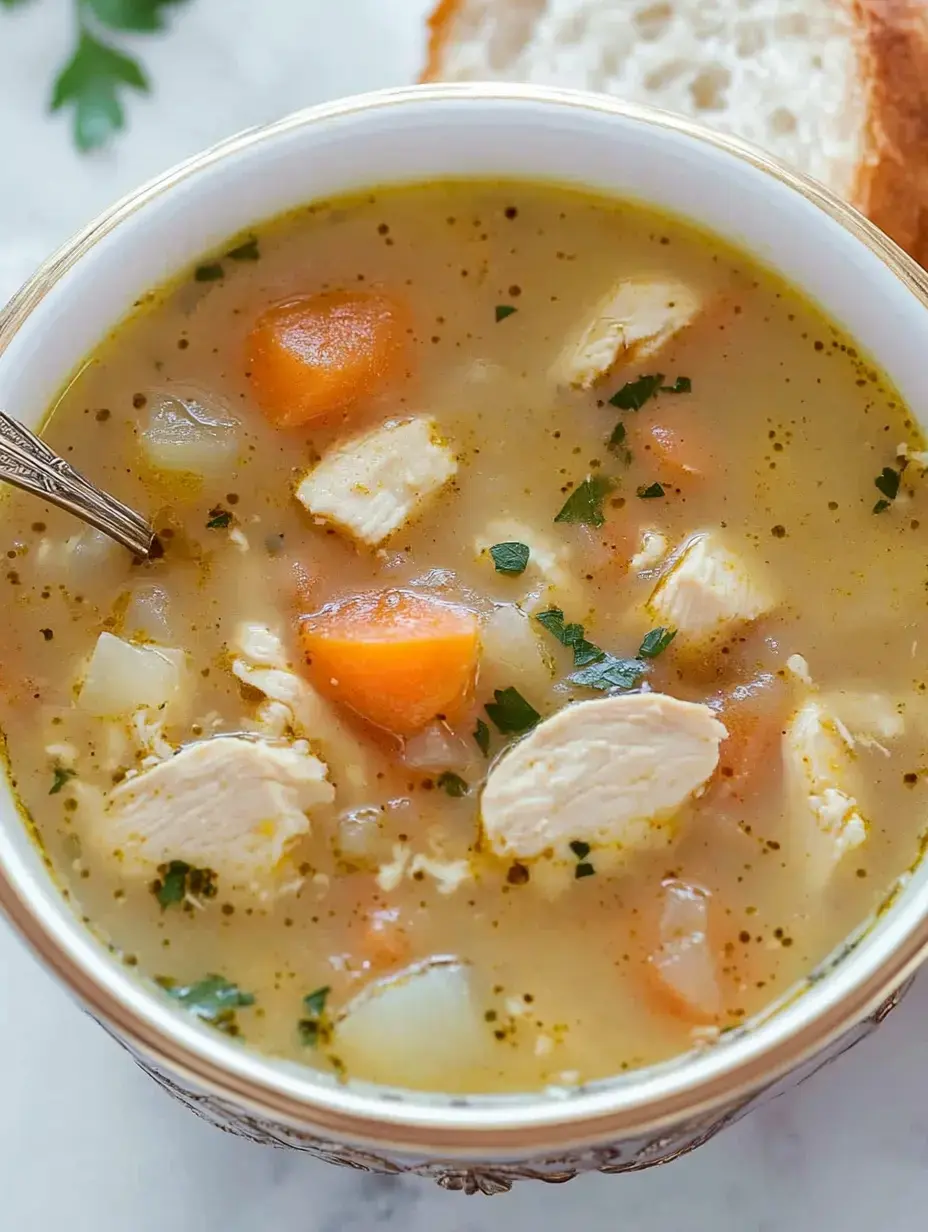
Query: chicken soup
x=527 y=686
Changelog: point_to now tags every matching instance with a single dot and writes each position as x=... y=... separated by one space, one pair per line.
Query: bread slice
x=836 y=88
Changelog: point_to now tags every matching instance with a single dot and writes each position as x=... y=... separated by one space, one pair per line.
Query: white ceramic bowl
x=853 y=272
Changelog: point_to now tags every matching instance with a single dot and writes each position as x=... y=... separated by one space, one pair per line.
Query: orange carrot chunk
x=397 y=658
x=318 y=356
x=675 y=444
x=755 y=715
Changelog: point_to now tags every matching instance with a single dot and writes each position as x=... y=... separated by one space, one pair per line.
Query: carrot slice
x=397 y=658
x=755 y=715
x=319 y=355
x=385 y=944
x=675 y=444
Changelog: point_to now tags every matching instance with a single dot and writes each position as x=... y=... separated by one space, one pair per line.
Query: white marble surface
x=87 y=1143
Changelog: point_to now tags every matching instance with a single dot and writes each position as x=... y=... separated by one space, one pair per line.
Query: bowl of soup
x=511 y=759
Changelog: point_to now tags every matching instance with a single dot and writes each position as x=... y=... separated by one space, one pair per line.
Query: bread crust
x=890 y=184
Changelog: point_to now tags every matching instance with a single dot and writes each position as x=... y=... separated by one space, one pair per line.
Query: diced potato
x=632 y=324
x=88 y=559
x=371 y=486
x=707 y=592
x=121 y=677
x=514 y=651
x=418 y=1029
x=190 y=432
x=147 y=613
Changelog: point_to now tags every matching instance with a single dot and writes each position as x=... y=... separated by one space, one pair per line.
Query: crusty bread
x=836 y=88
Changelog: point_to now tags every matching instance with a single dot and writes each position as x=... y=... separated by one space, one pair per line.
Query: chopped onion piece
x=684 y=962
x=419 y=1029
x=148 y=613
x=190 y=431
x=122 y=677
x=436 y=747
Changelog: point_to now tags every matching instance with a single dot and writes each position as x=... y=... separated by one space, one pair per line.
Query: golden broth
x=788 y=427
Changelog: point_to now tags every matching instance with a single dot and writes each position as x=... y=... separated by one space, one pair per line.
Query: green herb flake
x=214 y=999
x=634 y=394
x=682 y=385
x=453 y=784
x=178 y=879
x=481 y=735
x=62 y=776
x=610 y=673
x=510 y=558
x=888 y=483
x=585 y=503
x=211 y=271
x=133 y=16
x=510 y=713
x=245 y=252
x=650 y=491
x=881 y=506
x=91 y=82
x=616 y=443
x=656 y=642
x=570 y=635
x=580 y=849
x=583 y=870
x=315 y=1028
x=503 y=311
x=219 y=519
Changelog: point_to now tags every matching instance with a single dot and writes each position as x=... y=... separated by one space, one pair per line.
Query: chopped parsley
x=682 y=385
x=213 y=999
x=245 y=252
x=211 y=271
x=888 y=483
x=634 y=394
x=510 y=558
x=219 y=519
x=585 y=503
x=656 y=642
x=482 y=737
x=580 y=849
x=570 y=635
x=616 y=443
x=453 y=784
x=583 y=870
x=510 y=713
x=315 y=1027
x=62 y=776
x=650 y=491
x=503 y=311
x=610 y=673
x=178 y=879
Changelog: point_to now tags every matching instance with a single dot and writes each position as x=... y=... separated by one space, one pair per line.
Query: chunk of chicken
x=614 y=771
x=372 y=485
x=651 y=553
x=632 y=324
x=821 y=783
x=293 y=707
x=707 y=591
x=231 y=804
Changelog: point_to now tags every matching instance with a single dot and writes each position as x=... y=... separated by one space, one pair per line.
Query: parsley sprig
x=98 y=73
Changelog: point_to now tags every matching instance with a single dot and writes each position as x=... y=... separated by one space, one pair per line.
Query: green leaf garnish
x=91 y=82
x=210 y=271
x=503 y=311
x=585 y=503
x=570 y=635
x=583 y=870
x=219 y=519
x=453 y=784
x=616 y=443
x=580 y=849
x=62 y=776
x=650 y=491
x=881 y=506
x=682 y=385
x=510 y=713
x=315 y=1028
x=610 y=673
x=510 y=558
x=213 y=999
x=634 y=394
x=245 y=252
x=482 y=737
x=888 y=483
x=178 y=879
x=656 y=642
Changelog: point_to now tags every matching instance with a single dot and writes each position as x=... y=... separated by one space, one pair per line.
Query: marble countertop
x=87 y=1142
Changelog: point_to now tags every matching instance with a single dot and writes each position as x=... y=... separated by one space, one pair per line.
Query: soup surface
x=529 y=685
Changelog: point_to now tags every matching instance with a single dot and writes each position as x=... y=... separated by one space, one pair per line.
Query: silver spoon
x=28 y=463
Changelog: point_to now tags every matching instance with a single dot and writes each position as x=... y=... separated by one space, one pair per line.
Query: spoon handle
x=28 y=463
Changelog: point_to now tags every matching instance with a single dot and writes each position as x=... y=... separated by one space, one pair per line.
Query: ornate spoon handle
x=28 y=463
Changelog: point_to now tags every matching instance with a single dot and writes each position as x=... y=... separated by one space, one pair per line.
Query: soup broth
x=508 y=452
